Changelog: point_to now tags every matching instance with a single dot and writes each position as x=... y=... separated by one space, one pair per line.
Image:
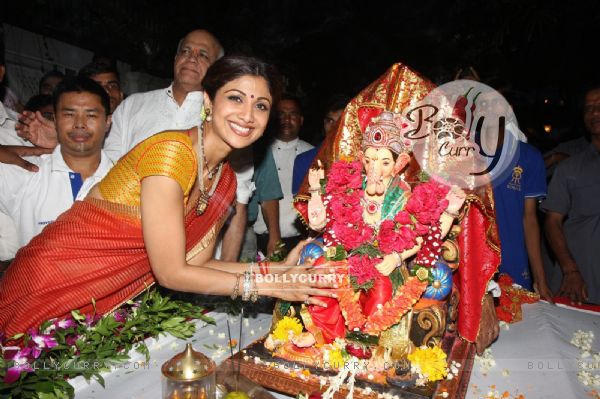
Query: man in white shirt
x=179 y=107
x=8 y=231
x=176 y=107
x=285 y=148
x=34 y=199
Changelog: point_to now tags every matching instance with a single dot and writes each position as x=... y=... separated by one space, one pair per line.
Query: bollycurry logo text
x=463 y=133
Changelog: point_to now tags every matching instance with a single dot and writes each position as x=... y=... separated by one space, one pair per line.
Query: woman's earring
x=208 y=115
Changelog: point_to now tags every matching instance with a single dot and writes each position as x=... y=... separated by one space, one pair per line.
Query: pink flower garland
x=347 y=227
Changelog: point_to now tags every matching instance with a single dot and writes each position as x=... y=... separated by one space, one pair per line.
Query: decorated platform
x=292 y=378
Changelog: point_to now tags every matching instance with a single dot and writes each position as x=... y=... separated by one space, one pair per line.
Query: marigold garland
x=387 y=315
x=391 y=312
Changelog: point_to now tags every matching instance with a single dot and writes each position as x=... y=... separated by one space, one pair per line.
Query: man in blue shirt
x=516 y=200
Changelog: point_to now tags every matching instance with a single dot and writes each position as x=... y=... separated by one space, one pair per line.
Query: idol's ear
x=361 y=156
x=401 y=162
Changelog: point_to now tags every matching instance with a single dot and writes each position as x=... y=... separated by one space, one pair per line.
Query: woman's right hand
x=305 y=284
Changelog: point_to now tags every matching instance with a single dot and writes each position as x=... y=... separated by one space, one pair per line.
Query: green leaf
x=44 y=386
x=77 y=315
x=339 y=253
x=364 y=286
x=397 y=280
x=284 y=307
x=423 y=176
x=100 y=380
x=367 y=249
x=362 y=338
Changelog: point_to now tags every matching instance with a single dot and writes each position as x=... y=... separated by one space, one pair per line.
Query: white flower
x=505 y=372
x=221 y=336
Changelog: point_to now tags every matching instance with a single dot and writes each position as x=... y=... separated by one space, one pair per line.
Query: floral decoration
x=589 y=360
x=366 y=244
x=38 y=364
x=287 y=328
x=429 y=363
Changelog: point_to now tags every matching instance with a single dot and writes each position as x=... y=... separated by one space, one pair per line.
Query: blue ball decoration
x=442 y=282
x=311 y=252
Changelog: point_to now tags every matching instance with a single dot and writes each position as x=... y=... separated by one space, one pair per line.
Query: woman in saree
x=155 y=216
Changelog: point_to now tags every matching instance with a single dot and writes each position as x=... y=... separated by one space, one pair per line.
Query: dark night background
x=545 y=50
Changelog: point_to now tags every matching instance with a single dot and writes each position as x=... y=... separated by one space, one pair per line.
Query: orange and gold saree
x=95 y=251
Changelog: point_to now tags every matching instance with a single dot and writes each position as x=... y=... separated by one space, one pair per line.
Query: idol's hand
x=315 y=176
x=317 y=216
x=33 y=127
x=388 y=264
x=456 y=198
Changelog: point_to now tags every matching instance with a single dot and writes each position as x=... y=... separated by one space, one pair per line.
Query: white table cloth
x=136 y=380
x=533 y=357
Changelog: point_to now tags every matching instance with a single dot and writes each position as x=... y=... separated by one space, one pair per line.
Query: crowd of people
x=140 y=186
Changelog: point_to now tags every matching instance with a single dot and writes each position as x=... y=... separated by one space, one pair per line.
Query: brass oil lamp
x=188 y=375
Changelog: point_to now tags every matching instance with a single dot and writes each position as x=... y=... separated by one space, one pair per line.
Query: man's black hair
x=81 y=84
x=38 y=102
x=50 y=74
x=98 y=67
x=291 y=97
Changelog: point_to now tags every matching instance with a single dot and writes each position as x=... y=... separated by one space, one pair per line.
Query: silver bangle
x=236 y=287
x=247 y=286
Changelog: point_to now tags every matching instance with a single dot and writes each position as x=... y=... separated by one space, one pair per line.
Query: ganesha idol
x=384 y=238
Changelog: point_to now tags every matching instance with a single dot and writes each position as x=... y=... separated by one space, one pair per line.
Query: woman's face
x=240 y=110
